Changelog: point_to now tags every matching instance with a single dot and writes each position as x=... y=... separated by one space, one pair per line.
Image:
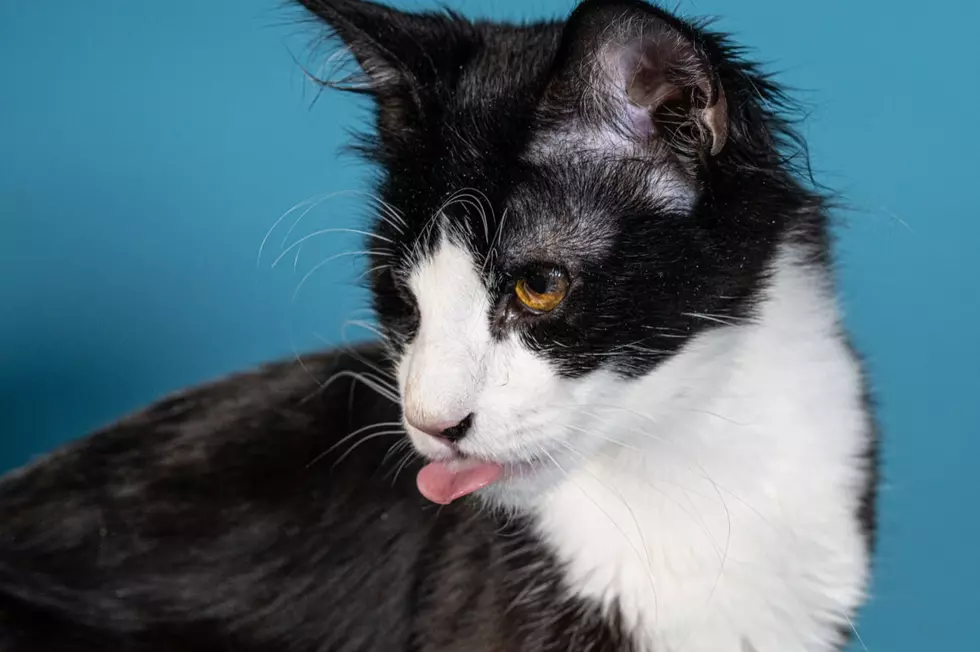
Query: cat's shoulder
x=290 y=398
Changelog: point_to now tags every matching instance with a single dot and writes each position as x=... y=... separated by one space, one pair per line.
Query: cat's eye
x=543 y=289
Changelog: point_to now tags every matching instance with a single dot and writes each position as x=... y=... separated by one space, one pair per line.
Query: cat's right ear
x=629 y=70
x=391 y=52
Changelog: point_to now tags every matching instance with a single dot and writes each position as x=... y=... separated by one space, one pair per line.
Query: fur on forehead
x=564 y=210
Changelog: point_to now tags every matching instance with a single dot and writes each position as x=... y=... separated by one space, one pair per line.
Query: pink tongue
x=444 y=482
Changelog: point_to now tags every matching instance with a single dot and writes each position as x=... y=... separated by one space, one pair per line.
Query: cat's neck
x=723 y=507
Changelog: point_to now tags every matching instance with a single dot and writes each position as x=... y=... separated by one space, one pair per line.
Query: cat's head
x=567 y=205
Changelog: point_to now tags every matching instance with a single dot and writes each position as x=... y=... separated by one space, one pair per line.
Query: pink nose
x=450 y=430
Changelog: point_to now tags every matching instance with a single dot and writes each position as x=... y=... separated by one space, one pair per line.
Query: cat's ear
x=628 y=67
x=391 y=51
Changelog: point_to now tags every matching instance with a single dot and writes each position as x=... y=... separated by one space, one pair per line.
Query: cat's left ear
x=629 y=67
x=394 y=51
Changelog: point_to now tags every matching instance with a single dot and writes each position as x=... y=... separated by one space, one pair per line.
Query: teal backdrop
x=147 y=150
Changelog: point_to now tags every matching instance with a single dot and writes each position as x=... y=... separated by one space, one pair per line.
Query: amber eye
x=543 y=289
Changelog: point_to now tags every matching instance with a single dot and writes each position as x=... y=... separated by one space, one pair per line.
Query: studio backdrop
x=149 y=149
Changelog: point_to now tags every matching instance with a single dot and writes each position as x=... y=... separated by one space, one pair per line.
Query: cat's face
x=524 y=318
x=562 y=220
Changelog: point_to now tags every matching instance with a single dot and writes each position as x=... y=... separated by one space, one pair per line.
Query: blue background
x=148 y=148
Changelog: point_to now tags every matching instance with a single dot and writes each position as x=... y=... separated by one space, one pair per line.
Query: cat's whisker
x=503 y=529
x=360 y=442
x=619 y=353
x=644 y=558
x=387 y=335
x=671 y=336
x=299 y=359
x=683 y=408
x=385 y=378
x=360 y=323
x=390 y=214
x=394 y=448
x=348 y=437
x=307 y=211
x=486 y=226
x=697 y=520
x=386 y=213
x=268 y=234
x=582 y=457
x=715 y=415
x=371 y=270
x=470 y=196
x=725 y=320
x=326 y=261
x=668 y=329
x=366 y=379
x=646 y=434
x=642 y=349
x=407 y=459
x=857 y=634
x=597 y=434
x=298 y=243
x=424 y=234
x=493 y=243
x=630 y=411
x=700 y=472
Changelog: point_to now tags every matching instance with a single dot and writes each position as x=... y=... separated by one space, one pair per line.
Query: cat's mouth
x=443 y=481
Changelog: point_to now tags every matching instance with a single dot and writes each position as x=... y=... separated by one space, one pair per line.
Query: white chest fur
x=728 y=520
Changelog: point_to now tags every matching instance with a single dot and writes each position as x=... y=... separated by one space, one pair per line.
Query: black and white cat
x=611 y=335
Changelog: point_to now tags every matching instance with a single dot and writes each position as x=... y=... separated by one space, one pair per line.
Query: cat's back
x=244 y=505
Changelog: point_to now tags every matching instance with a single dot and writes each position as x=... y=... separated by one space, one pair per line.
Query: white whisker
x=366 y=379
x=268 y=234
x=315 y=234
x=494 y=242
x=644 y=559
x=302 y=216
x=362 y=441
x=348 y=437
x=725 y=320
x=324 y=262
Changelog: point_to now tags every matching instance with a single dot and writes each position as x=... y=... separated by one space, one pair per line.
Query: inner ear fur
x=642 y=72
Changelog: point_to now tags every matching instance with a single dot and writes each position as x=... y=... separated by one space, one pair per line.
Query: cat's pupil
x=539 y=283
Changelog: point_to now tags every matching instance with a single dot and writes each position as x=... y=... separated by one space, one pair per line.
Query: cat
x=612 y=406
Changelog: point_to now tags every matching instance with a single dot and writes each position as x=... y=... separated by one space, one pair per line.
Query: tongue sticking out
x=444 y=482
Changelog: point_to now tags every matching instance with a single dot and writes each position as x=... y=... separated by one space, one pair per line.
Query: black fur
x=457 y=103
x=227 y=518
x=255 y=514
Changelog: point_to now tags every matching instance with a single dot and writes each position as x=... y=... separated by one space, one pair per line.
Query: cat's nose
x=451 y=431
x=459 y=429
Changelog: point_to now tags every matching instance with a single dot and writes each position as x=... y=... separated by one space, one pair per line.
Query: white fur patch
x=454 y=367
x=666 y=184
x=713 y=501
x=730 y=522
x=444 y=363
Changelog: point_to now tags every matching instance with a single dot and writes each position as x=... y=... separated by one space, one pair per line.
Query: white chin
x=522 y=487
